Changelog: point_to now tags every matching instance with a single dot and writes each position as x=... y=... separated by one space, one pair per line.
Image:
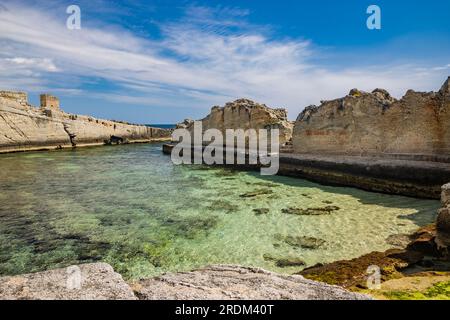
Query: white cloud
x=30 y=63
x=207 y=58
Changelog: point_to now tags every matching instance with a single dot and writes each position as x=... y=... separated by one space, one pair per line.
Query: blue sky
x=163 y=61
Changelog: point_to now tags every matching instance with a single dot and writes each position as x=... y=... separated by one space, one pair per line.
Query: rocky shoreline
x=425 y=255
x=98 y=281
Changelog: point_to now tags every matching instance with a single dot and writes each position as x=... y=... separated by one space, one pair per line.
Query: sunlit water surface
x=130 y=207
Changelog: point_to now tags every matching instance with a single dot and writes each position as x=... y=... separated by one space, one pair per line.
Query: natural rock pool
x=129 y=206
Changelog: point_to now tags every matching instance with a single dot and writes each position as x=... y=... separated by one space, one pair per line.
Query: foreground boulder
x=235 y=282
x=98 y=282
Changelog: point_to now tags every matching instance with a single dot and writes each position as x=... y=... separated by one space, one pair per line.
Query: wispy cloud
x=208 y=57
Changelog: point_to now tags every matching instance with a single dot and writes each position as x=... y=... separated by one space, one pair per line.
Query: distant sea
x=162 y=126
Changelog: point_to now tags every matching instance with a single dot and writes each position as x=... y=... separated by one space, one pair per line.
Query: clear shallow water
x=130 y=207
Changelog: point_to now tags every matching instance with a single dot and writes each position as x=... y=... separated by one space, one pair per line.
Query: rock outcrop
x=98 y=281
x=420 y=253
x=375 y=124
x=25 y=127
x=234 y=282
x=443 y=220
x=246 y=114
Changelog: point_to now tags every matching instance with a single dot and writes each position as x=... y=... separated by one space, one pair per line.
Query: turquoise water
x=129 y=206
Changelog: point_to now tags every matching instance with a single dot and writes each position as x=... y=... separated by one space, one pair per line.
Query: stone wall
x=246 y=114
x=49 y=101
x=24 y=127
x=376 y=124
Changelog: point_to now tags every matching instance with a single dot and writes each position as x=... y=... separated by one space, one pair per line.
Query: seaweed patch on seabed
x=123 y=256
x=191 y=227
x=263 y=184
x=256 y=193
x=226 y=173
x=310 y=211
x=223 y=205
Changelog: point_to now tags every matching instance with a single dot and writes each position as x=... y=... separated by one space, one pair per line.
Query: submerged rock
x=256 y=193
x=290 y=262
x=301 y=242
x=260 y=211
x=310 y=211
x=284 y=262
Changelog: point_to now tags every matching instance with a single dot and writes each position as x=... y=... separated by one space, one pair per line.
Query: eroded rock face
x=24 y=127
x=246 y=114
x=376 y=124
x=98 y=282
x=235 y=282
x=443 y=219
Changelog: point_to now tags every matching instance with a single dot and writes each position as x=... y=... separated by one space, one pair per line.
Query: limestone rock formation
x=246 y=114
x=98 y=282
x=443 y=219
x=185 y=124
x=25 y=127
x=235 y=282
x=376 y=124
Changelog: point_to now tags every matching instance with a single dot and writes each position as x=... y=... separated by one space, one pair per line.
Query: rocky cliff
x=417 y=125
x=246 y=114
x=25 y=127
x=443 y=220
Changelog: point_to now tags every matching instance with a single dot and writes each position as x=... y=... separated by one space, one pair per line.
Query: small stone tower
x=49 y=102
